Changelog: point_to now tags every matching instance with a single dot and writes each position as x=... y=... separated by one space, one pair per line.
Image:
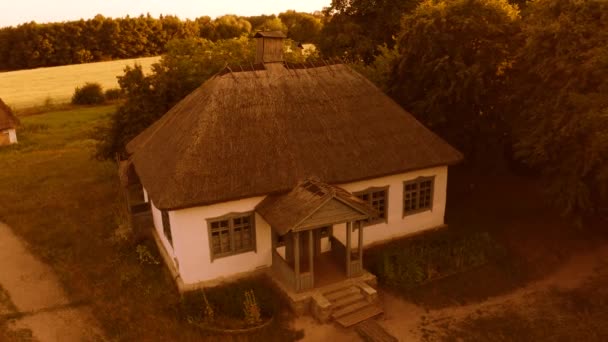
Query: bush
x=227 y=300
x=113 y=94
x=406 y=263
x=90 y=93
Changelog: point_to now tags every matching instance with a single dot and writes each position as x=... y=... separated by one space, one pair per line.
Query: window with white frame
x=378 y=199
x=231 y=234
x=418 y=195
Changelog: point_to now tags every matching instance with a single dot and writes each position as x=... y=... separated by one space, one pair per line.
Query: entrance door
x=318 y=235
x=304 y=248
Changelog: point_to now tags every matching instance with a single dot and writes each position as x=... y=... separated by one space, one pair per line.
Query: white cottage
x=290 y=169
x=8 y=125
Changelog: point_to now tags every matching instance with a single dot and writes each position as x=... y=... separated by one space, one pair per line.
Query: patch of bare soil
x=33 y=304
x=409 y=322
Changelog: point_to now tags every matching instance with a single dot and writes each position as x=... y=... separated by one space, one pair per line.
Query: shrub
x=113 y=94
x=251 y=309
x=90 y=93
x=406 y=263
x=227 y=300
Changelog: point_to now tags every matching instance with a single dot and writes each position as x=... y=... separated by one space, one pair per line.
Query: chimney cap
x=270 y=34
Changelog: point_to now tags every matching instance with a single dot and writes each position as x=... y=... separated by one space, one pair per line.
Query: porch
x=315 y=258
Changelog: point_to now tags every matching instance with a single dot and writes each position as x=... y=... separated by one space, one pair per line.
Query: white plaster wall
x=12 y=136
x=191 y=237
x=158 y=225
x=191 y=242
x=398 y=225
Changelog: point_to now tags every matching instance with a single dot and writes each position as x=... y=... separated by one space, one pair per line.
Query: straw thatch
x=7 y=119
x=310 y=204
x=270 y=34
x=244 y=134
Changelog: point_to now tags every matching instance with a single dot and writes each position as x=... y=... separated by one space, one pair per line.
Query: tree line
x=526 y=83
x=523 y=82
x=33 y=45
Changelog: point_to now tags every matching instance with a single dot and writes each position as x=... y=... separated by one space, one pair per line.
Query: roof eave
x=160 y=206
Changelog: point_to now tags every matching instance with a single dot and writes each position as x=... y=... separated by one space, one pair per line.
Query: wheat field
x=35 y=87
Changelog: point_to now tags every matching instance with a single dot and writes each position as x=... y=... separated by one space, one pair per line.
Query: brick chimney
x=270 y=47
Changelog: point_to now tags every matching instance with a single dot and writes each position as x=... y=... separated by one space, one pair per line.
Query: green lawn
x=556 y=315
x=64 y=204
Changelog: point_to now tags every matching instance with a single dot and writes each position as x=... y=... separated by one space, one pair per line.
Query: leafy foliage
x=251 y=309
x=407 y=263
x=33 y=45
x=355 y=29
x=88 y=94
x=113 y=94
x=228 y=300
x=560 y=101
x=381 y=69
x=451 y=73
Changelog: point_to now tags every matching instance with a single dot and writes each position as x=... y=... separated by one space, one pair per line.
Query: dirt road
x=35 y=301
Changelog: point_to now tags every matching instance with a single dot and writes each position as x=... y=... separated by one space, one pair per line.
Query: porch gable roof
x=312 y=204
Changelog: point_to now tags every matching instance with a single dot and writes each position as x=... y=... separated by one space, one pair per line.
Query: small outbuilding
x=8 y=125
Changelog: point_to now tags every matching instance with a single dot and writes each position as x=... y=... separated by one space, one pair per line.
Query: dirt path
x=408 y=321
x=36 y=301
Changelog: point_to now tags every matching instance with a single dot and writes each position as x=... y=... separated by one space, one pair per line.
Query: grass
x=65 y=204
x=36 y=87
x=557 y=315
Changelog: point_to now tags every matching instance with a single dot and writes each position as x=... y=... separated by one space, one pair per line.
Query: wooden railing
x=338 y=252
x=281 y=267
x=356 y=269
x=306 y=281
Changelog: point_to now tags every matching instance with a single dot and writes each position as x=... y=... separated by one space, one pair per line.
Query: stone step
x=343 y=292
x=358 y=316
x=350 y=308
x=371 y=330
x=348 y=300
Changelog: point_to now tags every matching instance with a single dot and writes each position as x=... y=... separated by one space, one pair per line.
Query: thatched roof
x=312 y=204
x=252 y=133
x=7 y=119
x=270 y=34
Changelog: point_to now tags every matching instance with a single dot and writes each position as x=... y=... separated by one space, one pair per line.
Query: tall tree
x=454 y=59
x=187 y=64
x=356 y=28
x=560 y=101
x=302 y=27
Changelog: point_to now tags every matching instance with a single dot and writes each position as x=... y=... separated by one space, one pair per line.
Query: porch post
x=296 y=267
x=348 y=247
x=360 y=225
x=311 y=254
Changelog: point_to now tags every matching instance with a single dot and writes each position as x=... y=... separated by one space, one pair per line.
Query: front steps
x=347 y=305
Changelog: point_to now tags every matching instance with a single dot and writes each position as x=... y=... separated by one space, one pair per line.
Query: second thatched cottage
x=8 y=125
x=291 y=169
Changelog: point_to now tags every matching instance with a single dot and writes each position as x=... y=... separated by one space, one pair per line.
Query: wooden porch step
x=348 y=309
x=358 y=316
x=371 y=330
x=348 y=300
x=343 y=292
